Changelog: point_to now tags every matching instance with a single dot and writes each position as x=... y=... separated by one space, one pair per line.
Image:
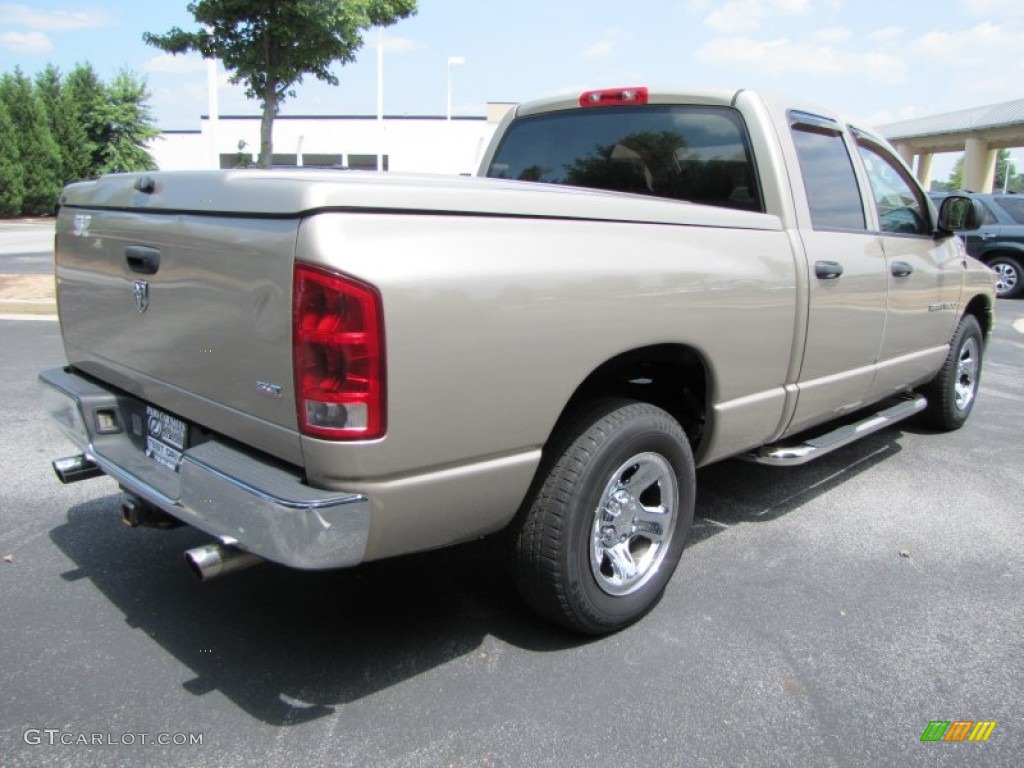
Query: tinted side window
x=832 y=190
x=1013 y=206
x=900 y=204
x=695 y=153
x=990 y=218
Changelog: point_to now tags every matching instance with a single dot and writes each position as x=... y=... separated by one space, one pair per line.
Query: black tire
x=630 y=460
x=951 y=394
x=1009 y=275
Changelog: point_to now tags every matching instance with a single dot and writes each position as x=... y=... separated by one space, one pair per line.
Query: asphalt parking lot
x=26 y=246
x=822 y=615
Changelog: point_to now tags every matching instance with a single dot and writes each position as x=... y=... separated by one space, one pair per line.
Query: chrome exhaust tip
x=71 y=469
x=213 y=560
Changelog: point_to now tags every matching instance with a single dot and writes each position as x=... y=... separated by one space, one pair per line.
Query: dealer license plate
x=166 y=437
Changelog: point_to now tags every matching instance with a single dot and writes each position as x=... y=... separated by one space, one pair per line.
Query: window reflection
x=699 y=154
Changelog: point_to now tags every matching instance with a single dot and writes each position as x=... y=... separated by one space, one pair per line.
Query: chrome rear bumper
x=240 y=497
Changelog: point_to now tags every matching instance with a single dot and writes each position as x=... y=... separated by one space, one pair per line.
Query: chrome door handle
x=901 y=269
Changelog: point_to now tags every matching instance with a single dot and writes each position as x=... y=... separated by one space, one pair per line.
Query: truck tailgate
x=189 y=311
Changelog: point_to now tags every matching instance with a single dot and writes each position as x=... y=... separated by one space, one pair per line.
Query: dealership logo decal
x=958 y=730
x=80 y=224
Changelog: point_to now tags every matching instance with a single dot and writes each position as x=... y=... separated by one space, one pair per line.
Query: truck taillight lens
x=610 y=97
x=338 y=332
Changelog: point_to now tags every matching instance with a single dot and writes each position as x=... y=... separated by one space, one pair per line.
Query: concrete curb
x=28 y=306
x=30 y=220
x=27 y=294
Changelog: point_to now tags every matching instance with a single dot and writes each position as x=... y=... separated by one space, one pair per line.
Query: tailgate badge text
x=271 y=390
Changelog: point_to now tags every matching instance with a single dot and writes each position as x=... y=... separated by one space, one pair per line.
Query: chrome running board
x=783 y=455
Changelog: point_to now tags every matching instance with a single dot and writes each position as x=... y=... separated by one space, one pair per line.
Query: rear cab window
x=699 y=154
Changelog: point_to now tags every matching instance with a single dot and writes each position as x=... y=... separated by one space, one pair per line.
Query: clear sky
x=876 y=61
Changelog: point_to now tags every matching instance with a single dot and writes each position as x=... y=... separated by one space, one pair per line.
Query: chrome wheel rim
x=633 y=524
x=1006 y=277
x=966 y=375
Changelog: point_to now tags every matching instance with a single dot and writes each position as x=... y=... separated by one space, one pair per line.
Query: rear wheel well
x=671 y=376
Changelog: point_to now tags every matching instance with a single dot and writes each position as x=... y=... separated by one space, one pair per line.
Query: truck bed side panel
x=492 y=323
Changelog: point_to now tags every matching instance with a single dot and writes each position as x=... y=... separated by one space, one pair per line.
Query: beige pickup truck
x=326 y=368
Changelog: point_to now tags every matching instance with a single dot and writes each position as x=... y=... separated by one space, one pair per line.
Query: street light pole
x=214 y=109
x=380 y=99
x=453 y=61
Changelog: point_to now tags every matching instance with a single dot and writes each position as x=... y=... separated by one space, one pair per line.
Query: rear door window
x=833 y=194
x=685 y=152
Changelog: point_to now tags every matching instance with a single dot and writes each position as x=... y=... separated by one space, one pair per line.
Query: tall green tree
x=12 y=187
x=126 y=127
x=270 y=45
x=48 y=87
x=956 y=176
x=37 y=150
x=86 y=97
x=67 y=125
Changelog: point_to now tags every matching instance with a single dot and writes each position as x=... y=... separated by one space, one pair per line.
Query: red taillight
x=338 y=331
x=611 y=97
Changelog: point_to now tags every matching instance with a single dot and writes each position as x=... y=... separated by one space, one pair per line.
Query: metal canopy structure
x=980 y=132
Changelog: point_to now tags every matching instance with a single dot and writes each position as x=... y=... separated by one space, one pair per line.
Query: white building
x=414 y=144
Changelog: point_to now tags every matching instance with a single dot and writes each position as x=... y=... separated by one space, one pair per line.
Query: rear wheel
x=1008 y=275
x=604 y=528
x=952 y=392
